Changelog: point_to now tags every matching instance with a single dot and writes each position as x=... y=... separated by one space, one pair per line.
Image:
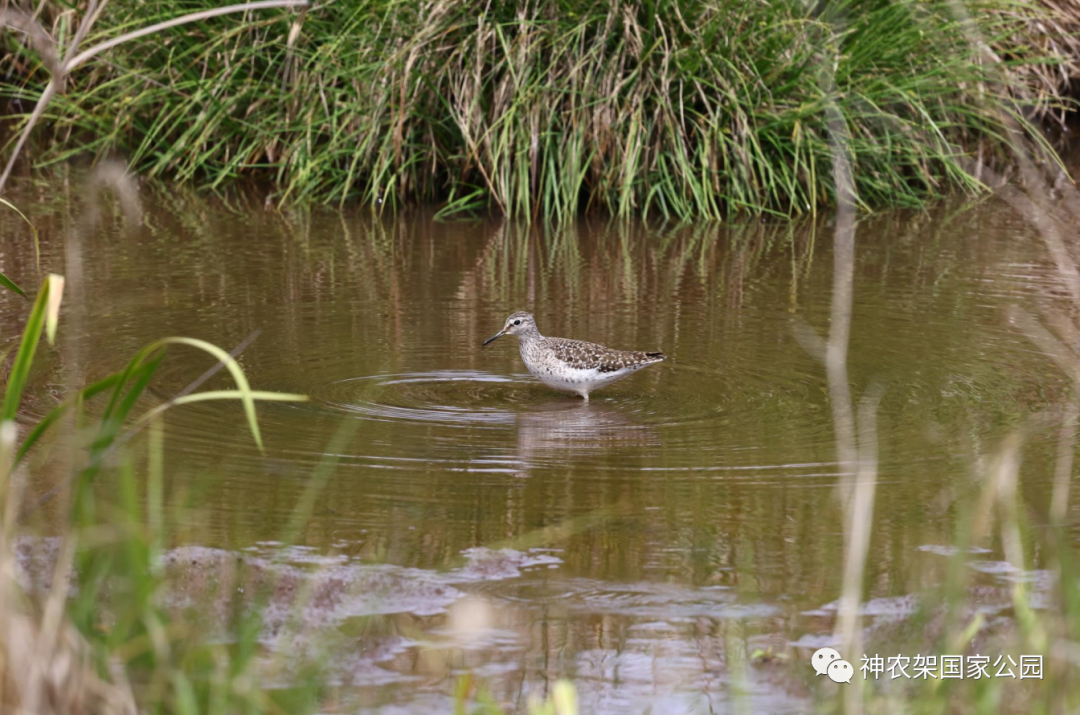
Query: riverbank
x=675 y=110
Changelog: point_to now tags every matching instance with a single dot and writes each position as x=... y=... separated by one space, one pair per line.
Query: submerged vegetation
x=672 y=109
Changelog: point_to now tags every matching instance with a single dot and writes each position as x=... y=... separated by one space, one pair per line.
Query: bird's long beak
x=496 y=336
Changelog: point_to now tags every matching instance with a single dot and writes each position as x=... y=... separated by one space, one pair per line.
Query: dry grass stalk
x=45 y=664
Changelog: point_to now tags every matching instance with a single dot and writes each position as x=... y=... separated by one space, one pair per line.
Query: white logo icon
x=840 y=671
x=823 y=658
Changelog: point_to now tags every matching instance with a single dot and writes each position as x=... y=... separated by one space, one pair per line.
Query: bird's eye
x=517 y=322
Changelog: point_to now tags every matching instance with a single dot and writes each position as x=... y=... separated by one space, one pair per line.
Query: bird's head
x=519 y=323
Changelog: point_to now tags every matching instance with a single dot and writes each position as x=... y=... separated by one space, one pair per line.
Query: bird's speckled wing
x=581 y=355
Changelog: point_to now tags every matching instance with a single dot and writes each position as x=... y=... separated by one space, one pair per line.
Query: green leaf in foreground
x=139 y=375
x=24 y=358
x=10 y=285
x=246 y=396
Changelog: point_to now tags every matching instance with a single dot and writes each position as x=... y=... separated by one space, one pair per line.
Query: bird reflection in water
x=550 y=432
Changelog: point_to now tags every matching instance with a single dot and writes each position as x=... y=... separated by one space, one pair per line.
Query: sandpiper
x=571 y=365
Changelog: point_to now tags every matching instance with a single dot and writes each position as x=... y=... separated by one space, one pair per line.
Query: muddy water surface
x=646 y=543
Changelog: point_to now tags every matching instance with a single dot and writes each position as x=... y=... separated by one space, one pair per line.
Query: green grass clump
x=675 y=109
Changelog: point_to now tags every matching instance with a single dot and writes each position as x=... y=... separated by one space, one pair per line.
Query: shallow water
x=643 y=543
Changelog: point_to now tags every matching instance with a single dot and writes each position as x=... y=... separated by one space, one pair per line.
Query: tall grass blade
x=24 y=358
x=246 y=396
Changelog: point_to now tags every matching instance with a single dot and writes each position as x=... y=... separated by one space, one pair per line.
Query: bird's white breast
x=560 y=376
